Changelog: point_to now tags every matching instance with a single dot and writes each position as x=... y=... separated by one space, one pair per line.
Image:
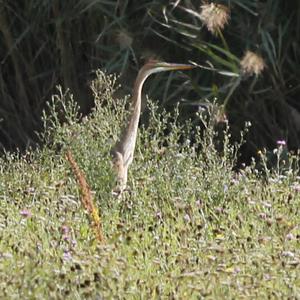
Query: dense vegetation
x=192 y=225
x=45 y=43
x=189 y=228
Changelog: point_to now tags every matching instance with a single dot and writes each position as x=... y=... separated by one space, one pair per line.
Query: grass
x=190 y=228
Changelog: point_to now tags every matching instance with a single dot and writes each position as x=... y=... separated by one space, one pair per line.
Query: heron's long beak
x=177 y=66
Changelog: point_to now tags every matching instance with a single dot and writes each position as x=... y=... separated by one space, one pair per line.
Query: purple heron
x=124 y=149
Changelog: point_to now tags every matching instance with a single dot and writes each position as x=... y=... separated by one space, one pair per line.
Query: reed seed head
x=214 y=16
x=252 y=63
x=124 y=39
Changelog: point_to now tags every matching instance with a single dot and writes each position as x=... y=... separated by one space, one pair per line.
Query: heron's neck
x=137 y=91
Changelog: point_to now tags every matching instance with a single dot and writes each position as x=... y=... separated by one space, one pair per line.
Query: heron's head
x=154 y=66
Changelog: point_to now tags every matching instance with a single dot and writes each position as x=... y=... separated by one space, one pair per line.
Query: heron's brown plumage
x=124 y=149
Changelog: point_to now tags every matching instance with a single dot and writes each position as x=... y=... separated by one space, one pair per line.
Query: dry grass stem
x=86 y=197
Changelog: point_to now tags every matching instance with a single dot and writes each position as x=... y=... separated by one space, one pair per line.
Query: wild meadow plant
x=191 y=226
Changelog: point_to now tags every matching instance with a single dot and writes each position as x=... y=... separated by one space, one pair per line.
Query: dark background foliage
x=44 y=43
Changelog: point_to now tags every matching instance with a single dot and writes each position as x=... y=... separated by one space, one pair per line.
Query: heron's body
x=124 y=149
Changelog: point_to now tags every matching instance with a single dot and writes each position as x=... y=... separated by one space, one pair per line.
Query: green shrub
x=190 y=227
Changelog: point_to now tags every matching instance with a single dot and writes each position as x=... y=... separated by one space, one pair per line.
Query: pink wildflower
x=25 y=213
x=281 y=143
